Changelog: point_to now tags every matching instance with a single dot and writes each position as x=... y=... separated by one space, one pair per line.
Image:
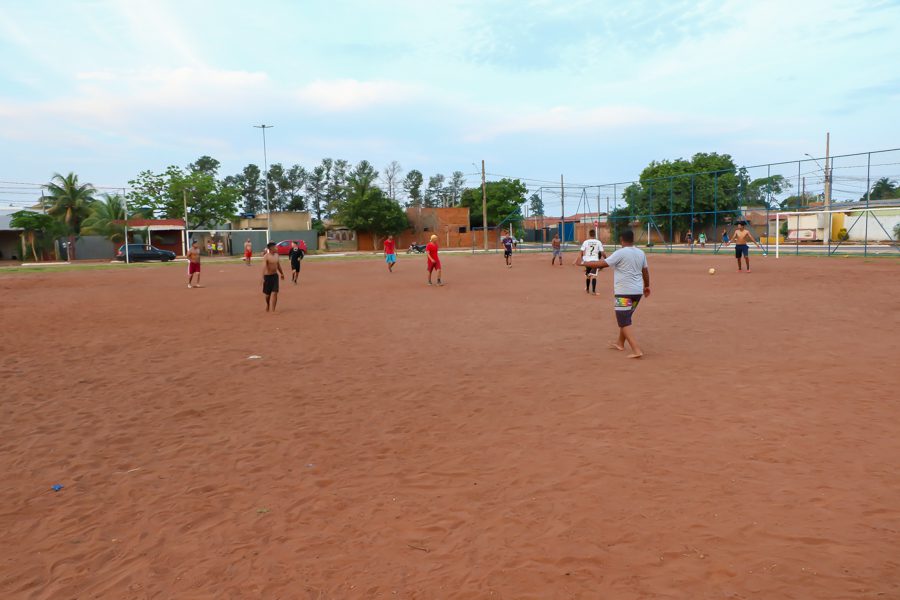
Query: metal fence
x=677 y=213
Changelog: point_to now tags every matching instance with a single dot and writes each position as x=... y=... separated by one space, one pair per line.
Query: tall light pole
x=266 y=167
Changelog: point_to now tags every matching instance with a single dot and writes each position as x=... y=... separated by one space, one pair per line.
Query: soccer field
x=477 y=440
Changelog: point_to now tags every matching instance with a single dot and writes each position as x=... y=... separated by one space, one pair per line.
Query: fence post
x=868 y=193
x=692 y=213
x=671 y=192
x=716 y=213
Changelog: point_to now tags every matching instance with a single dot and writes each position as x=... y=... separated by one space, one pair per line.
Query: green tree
x=315 y=191
x=455 y=187
x=371 y=210
x=277 y=183
x=336 y=184
x=434 y=193
x=361 y=179
x=504 y=197
x=667 y=186
x=70 y=203
x=884 y=188
x=294 y=182
x=412 y=185
x=536 y=205
x=105 y=211
x=40 y=231
x=761 y=192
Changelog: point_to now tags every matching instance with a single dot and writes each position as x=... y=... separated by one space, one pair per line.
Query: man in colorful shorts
x=193 y=257
x=631 y=282
x=390 y=253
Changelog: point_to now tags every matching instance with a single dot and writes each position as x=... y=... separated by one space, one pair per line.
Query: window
x=462 y=229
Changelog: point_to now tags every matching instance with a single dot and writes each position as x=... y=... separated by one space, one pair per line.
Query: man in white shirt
x=591 y=251
x=631 y=282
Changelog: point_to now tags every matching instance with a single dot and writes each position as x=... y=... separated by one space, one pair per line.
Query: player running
x=434 y=262
x=631 y=282
x=296 y=255
x=271 y=271
x=248 y=251
x=591 y=251
x=390 y=253
x=557 y=250
x=508 y=242
x=741 y=248
x=193 y=256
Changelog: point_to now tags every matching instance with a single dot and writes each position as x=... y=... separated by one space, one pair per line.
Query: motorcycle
x=416 y=249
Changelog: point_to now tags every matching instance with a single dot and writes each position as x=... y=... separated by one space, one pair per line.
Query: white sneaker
x=190 y=286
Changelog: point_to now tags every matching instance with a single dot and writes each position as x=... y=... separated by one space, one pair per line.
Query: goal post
x=808 y=222
x=231 y=240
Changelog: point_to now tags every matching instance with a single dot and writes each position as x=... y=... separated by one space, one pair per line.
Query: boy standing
x=434 y=263
x=557 y=250
x=248 y=251
x=741 y=248
x=702 y=240
x=193 y=264
x=390 y=253
x=591 y=251
x=631 y=282
x=508 y=249
x=296 y=255
x=271 y=271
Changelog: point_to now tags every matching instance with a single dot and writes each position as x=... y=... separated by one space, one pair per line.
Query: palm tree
x=104 y=212
x=71 y=203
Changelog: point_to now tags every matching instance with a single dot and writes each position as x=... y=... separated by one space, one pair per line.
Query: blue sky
x=594 y=90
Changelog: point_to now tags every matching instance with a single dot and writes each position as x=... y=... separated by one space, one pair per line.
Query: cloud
x=350 y=94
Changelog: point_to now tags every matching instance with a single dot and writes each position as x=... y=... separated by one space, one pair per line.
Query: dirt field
x=471 y=441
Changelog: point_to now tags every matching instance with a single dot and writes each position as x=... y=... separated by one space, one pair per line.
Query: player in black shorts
x=296 y=255
x=271 y=271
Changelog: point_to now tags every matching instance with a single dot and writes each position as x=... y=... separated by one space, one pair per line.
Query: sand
x=471 y=441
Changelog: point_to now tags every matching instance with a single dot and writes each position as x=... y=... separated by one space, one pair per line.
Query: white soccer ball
x=712 y=271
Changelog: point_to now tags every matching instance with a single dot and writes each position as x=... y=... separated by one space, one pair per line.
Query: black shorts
x=507 y=252
x=270 y=284
x=625 y=305
x=295 y=265
x=589 y=271
x=741 y=250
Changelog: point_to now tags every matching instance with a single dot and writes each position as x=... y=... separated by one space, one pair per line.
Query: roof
x=155 y=224
x=5 y=217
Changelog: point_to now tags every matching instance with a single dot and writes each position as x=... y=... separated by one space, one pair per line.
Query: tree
x=294 y=182
x=275 y=182
x=336 y=185
x=536 y=205
x=713 y=180
x=372 y=211
x=412 y=185
x=102 y=220
x=883 y=189
x=434 y=193
x=361 y=179
x=760 y=191
x=210 y=202
x=455 y=187
x=70 y=203
x=391 y=178
x=504 y=198
x=40 y=230
x=315 y=190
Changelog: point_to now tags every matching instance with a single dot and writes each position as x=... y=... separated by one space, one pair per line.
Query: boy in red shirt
x=390 y=253
x=434 y=263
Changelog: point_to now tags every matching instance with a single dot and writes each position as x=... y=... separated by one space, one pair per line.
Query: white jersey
x=591 y=249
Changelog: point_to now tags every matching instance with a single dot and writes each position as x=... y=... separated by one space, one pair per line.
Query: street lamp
x=266 y=167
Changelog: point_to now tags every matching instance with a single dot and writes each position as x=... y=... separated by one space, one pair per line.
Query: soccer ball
x=712 y=271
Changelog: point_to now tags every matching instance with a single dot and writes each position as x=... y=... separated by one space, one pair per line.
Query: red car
x=284 y=246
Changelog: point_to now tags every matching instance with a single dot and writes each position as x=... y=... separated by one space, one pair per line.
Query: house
x=10 y=237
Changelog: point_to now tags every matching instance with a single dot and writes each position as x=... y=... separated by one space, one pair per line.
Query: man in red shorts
x=193 y=257
x=248 y=251
x=434 y=263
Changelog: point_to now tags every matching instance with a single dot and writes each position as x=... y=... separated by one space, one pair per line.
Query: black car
x=139 y=252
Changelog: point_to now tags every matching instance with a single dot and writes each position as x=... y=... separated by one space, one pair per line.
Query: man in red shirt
x=390 y=253
x=434 y=263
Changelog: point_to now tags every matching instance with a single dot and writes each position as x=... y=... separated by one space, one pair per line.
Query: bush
x=784 y=229
x=842 y=235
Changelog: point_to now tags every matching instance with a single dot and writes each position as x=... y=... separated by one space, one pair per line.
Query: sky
x=593 y=90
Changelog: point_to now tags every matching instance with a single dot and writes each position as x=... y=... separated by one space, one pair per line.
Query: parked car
x=284 y=246
x=140 y=252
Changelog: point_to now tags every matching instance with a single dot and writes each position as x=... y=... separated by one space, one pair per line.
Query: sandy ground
x=471 y=441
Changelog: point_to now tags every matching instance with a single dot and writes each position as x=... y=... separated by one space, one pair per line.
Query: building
x=281 y=221
x=10 y=237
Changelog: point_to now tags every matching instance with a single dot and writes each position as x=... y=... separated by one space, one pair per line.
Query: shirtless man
x=271 y=271
x=741 y=248
x=248 y=251
x=557 y=250
x=193 y=256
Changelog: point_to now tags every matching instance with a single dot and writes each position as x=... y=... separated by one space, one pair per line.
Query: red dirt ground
x=471 y=441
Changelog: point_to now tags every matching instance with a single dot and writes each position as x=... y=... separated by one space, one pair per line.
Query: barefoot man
x=741 y=248
x=508 y=242
x=248 y=251
x=631 y=282
x=557 y=250
x=434 y=263
x=193 y=264
x=271 y=271
x=390 y=253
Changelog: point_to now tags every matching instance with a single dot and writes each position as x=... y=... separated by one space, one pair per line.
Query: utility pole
x=266 y=167
x=484 y=206
x=562 y=198
x=803 y=194
x=186 y=240
x=826 y=238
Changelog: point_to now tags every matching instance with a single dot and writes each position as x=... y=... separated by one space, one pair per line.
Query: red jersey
x=389 y=247
x=431 y=250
